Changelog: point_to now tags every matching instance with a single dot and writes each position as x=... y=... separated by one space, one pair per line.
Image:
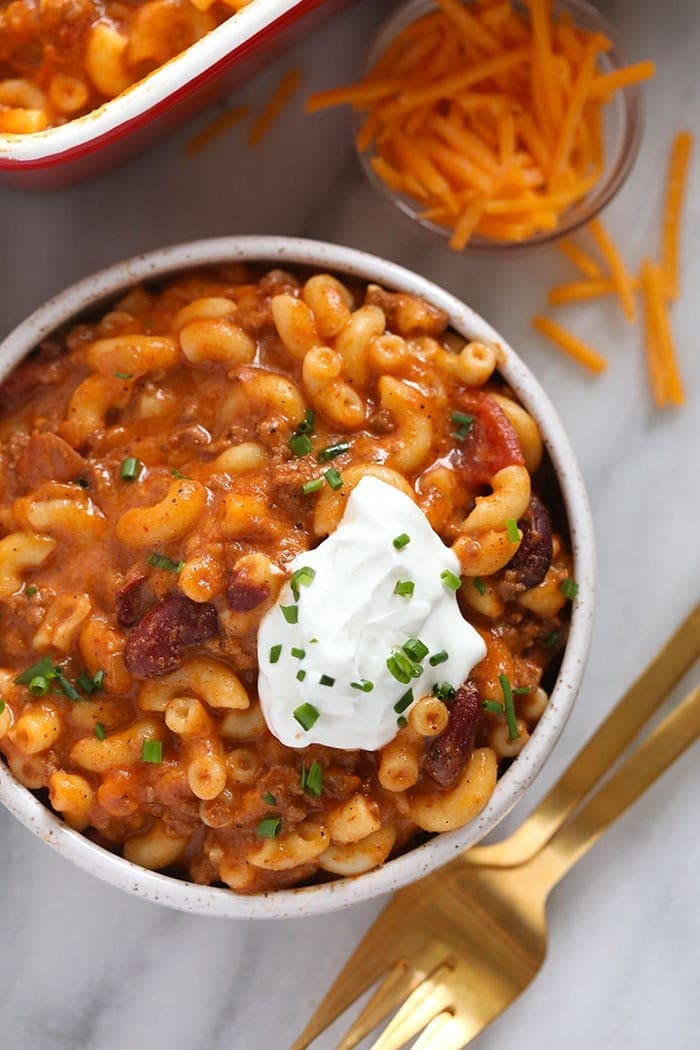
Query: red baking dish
x=121 y=127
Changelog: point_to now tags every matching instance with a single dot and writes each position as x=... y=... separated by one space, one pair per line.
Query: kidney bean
x=242 y=594
x=529 y=564
x=159 y=643
x=446 y=755
x=129 y=602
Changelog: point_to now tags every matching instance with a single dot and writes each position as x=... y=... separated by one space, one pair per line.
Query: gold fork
x=458 y=946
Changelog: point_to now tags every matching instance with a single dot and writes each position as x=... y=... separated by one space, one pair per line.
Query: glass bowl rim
x=602 y=193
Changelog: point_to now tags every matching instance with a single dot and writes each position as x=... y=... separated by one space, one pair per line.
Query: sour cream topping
x=323 y=648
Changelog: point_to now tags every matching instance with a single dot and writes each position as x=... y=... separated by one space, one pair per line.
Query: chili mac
x=161 y=466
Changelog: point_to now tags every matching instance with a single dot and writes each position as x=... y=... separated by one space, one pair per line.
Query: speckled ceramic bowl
x=207 y=900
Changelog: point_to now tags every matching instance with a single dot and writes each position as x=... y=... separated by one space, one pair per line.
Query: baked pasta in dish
x=284 y=579
x=60 y=59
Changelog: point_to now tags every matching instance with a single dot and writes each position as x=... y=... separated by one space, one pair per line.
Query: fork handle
x=638 y=772
x=623 y=723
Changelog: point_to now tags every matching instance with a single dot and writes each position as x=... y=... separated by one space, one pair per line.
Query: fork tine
x=429 y=999
x=398 y=983
x=396 y=987
x=360 y=972
x=443 y=1033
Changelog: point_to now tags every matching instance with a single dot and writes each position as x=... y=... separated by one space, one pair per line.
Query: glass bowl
x=622 y=128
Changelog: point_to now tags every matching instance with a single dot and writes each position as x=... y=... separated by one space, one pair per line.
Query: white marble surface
x=84 y=967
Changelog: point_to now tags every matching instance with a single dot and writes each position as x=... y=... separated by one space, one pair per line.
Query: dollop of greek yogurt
x=367 y=624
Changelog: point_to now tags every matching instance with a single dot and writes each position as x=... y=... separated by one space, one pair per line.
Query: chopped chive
x=306 y=715
x=438 y=658
x=450 y=580
x=84 y=682
x=269 y=798
x=275 y=653
x=522 y=689
x=402 y=722
x=90 y=683
x=269 y=827
x=31 y=590
x=300 y=444
x=512 y=530
x=301 y=578
x=313 y=641
x=405 y=701
x=479 y=584
x=408 y=664
x=180 y=477
x=123 y=375
x=306 y=425
x=290 y=613
x=462 y=419
x=43 y=668
x=569 y=588
x=551 y=640
x=331 y=451
x=130 y=468
x=326 y=679
x=464 y=424
x=66 y=688
x=312 y=486
x=415 y=648
x=83 y=482
x=363 y=685
x=298 y=654
x=493 y=707
x=161 y=561
x=401 y=541
x=100 y=731
x=405 y=588
x=152 y=751
x=444 y=691
x=513 y=732
x=312 y=779
x=301 y=675
x=333 y=478
x=397 y=671
x=39 y=685
x=2 y=706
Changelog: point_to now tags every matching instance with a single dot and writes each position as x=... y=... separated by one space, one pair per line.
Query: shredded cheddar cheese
x=570 y=344
x=675 y=190
x=489 y=118
x=577 y=291
x=580 y=258
x=660 y=347
x=659 y=285
x=280 y=97
x=223 y=122
x=617 y=267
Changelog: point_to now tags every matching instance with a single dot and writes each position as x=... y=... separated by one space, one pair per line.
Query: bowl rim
x=630 y=99
x=105 y=284
x=151 y=95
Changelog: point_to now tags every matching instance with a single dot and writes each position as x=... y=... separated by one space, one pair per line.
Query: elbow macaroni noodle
x=175 y=456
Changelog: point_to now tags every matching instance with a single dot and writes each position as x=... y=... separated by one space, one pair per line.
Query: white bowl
x=311 y=900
